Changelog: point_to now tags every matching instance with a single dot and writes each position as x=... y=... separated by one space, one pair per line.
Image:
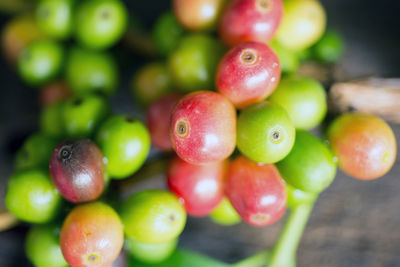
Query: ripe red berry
x=77 y=170
x=256 y=191
x=92 y=235
x=159 y=119
x=199 y=187
x=203 y=127
x=248 y=73
x=250 y=20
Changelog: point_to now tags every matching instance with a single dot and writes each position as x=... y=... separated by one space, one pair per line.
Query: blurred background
x=354 y=223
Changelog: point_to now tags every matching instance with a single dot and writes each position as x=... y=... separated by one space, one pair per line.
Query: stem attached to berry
x=284 y=251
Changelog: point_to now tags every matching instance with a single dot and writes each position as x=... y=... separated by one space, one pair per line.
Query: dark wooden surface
x=354 y=223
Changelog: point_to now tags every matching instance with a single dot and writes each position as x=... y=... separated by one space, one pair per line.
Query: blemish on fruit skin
x=93 y=258
x=264 y=6
x=260 y=218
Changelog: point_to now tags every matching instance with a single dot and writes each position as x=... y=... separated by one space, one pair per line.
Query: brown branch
x=7 y=220
x=376 y=96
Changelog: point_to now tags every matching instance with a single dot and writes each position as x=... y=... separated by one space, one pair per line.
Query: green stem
x=257 y=260
x=284 y=251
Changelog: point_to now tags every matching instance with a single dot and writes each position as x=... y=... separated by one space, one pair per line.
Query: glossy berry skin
x=159 y=120
x=40 y=62
x=250 y=20
x=88 y=71
x=153 y=216
x=203 y=127
x=92 y=235
x=42 y=246
x=17 y=34
x=150 y=83
x=310 y=166
x=31 y=197
x=199 y=187
x=100 y=23
x=35 y=152
x=193 y=64
x=83 y=114
x=51 y=120
x=265 y=133
x=256 y=191
x=225 y=214
x=77 y=170
x=365 y=145
x=150 y=253
x=248 y=73
x=167 y=33
x=54 y=92
x=288 y=59
x=54 y=17
x=303 y=98
x=125 y=143
x=302 y=25
x=197 y=15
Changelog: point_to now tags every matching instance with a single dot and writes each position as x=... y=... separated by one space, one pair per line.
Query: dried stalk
x=376 y=96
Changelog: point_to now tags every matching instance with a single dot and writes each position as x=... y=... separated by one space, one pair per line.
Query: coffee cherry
x=265 y=133
x=159 y=120
x=77 y=170
x=199 y=187
x=87 y=71
x=54 y=92
x=92 y=235
x=225 y=214
x=51 y=120
x=310 y=166
x=365 y=145
x=40 y=62
x=250 y=20
x=54 y=17
x=31 y=196
x=256 y=191
x=100 y=23
x=198 y=14
x=203 y=127
x=150 y=83
x=125 y=142
x=248 y=73
x=150 y=253
x=303 y=98
x=193 y=64
x=42 y=246
x=153 y=216
x=302 y=25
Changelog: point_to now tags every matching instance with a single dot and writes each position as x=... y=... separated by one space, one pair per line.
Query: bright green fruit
x=288 y=59
x=125 y=143
x=303 y=98
x=35 y=152
x=265 y=134
x=51 y=120
x=225 y=214
x=302 y=25
x=54 y=17
x=151 y=82
x=167 y=33
x=32 y=197
x=89 y=71
x=153 y=216
x=83 y=114
x=150 y=253
x=297 y=197
x=40 y=62
x=42 y=246
x=193 y=64
x=100 y=24
x=310 y=166
x=329 y=48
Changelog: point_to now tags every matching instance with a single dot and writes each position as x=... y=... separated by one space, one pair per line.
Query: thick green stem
x=284 y=251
